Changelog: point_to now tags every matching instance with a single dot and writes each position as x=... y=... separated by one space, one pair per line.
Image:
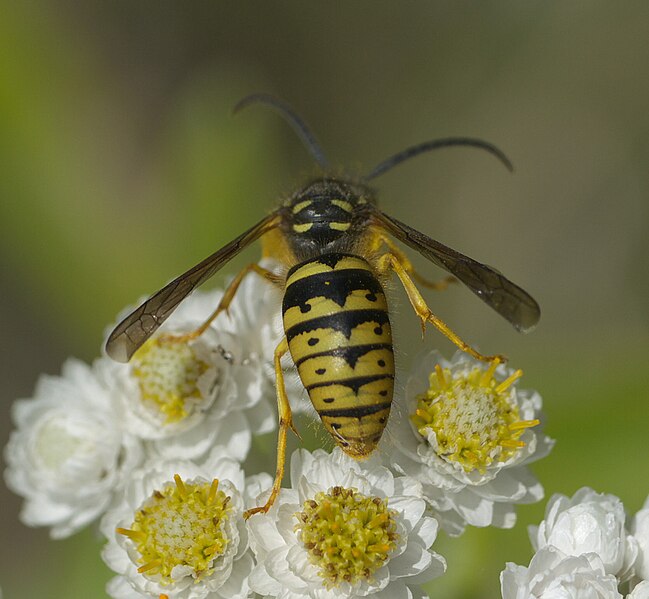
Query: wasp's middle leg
x=226 y=300
x=390 y=261
x=285 y=422
x=410 y=269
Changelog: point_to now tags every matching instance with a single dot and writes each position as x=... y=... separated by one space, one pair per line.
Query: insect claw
x=253 y=511
x=294 y=429
x=424 y=320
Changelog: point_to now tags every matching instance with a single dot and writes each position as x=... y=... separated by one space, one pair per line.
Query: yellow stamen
x=211 y=550
x=512 y=443
x=488 y=374
x=180 y=485
x=156 y=563
x=440 y=376
x=424 y=415
x=509 y=381
x=214 y=487
x=523 y=424
x=136 y=535
x=378 y=520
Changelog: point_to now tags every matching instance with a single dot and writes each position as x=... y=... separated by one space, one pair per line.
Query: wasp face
x=325 y=216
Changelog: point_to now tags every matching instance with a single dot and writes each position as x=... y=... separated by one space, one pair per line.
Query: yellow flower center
x=168 y=373
x=474 y=417
x=180 y=525
x=347 y=535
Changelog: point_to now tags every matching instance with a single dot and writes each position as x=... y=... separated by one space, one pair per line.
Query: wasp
x=338 y=250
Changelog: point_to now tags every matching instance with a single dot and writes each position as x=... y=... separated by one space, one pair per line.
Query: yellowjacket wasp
x=338 y=251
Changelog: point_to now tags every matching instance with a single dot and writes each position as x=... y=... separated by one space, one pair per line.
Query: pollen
x=348 y=536
x=181 y=525
x=474 y=416
x=167 y=372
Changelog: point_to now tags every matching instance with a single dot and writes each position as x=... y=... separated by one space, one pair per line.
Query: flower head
x=344 y=529
x=588 y=522
x=180 y=532
x=184 y=395
x=553 y=574
x=69 y=454
x=467 y=436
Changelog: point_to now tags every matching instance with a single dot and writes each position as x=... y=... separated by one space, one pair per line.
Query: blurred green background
x=121 y=165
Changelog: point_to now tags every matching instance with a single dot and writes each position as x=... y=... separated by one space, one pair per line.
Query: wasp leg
x=410 y=269
x=391 y=262
x=285 y=422
x=226 y=300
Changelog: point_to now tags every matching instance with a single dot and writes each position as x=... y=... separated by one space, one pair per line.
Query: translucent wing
x=506 y=298
x=138 y=326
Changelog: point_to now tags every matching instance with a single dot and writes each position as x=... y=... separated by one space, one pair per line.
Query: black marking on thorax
x=322 y=210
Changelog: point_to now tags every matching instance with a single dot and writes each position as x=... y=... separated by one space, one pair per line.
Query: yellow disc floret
x=167 y=372
x=474 y=417
x=180 y=525
x=347 y=535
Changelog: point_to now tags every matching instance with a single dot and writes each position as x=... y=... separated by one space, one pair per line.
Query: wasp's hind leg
x=285 y=422
x=390 y=261
x=410 y=269
x=225 y=302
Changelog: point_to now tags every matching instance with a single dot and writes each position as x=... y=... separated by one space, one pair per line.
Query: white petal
x=261 y=582
x=414 y=560
x=236 y=585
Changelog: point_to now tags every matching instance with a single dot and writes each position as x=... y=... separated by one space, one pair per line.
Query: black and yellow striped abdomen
x=338 y=332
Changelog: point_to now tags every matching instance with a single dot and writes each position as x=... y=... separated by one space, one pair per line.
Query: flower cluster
x=157 y=451
x=584 y=547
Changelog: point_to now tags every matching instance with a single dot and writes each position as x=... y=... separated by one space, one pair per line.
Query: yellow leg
x=392 y=262
x=410 y=269
x=285 y=422
x=226 y=300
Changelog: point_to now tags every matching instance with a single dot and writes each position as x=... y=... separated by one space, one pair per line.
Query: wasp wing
x=138 y=326
x=508 y=299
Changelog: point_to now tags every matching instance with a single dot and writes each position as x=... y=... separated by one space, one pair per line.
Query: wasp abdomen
x=338 y=331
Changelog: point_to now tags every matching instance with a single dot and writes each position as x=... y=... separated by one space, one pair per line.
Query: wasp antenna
x=436 y=144
x=299 y=126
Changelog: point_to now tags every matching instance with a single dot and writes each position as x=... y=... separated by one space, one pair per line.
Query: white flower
x=255 y=317
x=344 y=529
x=589 y=522
x=68 y=455
x=554 y=575
x=640 y=530
x=467 y=436
x=188 y=396
x=180 y=532
x=640 y=591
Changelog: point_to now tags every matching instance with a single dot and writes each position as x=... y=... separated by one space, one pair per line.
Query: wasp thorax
x=323 y=213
